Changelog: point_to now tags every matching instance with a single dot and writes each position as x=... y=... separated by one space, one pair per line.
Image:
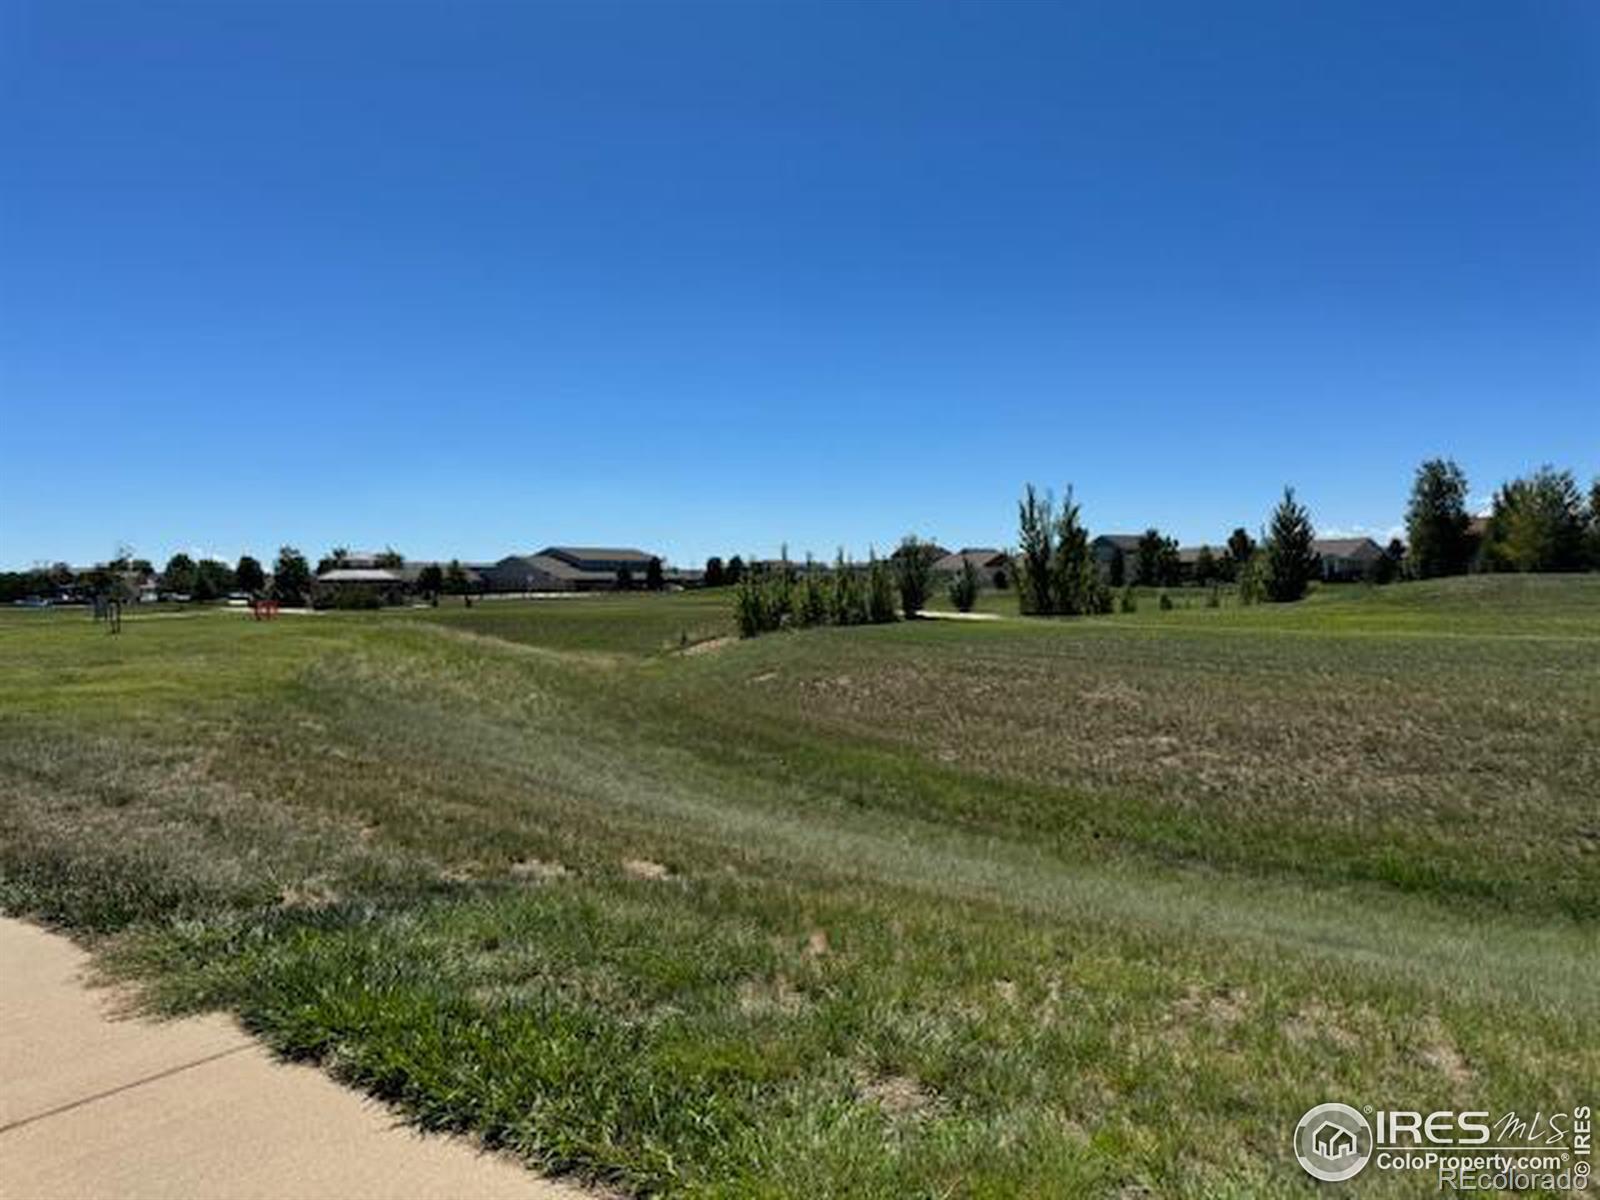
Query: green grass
x=1023 y=907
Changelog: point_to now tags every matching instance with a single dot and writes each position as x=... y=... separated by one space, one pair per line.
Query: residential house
x=1347 y=559
x=1109 y=547
x=386 y=585
x=993 y=566
x=566 y=569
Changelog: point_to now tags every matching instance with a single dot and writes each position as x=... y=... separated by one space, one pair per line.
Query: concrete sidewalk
x=110 y=1109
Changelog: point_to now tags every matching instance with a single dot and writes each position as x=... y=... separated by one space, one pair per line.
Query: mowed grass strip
x=1041 y=908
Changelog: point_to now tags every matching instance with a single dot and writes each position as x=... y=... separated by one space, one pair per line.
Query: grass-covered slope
x=981 y=909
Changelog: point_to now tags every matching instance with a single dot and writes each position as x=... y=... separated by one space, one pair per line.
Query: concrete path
x=126 y=1109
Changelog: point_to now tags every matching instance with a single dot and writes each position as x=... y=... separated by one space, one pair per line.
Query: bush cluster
x=787 y=597
x=1056 y=572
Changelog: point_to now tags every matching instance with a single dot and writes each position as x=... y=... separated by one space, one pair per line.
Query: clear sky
x=473 y=278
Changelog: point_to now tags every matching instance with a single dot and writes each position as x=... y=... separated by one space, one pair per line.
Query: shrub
x=880 y=592
x=964 y=587
x=812 y=608
x=1214 y=597
x=1252 y=580
x=1130 y=601
x=847 y=601
x=757 y=605
x=356 y=599
x=913 y=571
x=1166 y=602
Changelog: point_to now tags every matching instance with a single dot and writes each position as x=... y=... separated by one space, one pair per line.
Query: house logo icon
x=1333 y=1142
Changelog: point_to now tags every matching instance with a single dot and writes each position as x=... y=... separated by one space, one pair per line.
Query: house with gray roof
x=993 y=566
x=1346 y=559
x=567 y=569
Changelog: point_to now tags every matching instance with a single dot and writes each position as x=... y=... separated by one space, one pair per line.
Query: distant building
x=386 y=584
x=993 y=566
x=1346 y=559
x=566 y=569
x=1109 y=547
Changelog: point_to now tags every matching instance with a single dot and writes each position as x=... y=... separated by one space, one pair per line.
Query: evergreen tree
x=1035 y=550
x=812 y=608
x=1073 y=581
x=735 y=570
x=1205 y=566
x=1291 y=561
x=653 y=579
x=880 y=591
x=714 y=577
x=1594 y=525
x=1437 y=520
x=913 y=571
x=1240 y=547
x=848 y=604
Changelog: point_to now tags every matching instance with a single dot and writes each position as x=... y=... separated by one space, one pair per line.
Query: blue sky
x=472 y=278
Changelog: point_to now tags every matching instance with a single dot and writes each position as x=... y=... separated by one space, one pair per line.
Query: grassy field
x=981 y=909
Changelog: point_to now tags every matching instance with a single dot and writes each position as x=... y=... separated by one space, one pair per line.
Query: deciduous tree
x=179 y=574
x=249 y=575
x=1437 y=520
x=1537 y=524
x=291 y=577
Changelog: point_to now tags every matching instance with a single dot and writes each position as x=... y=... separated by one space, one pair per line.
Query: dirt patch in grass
x=896 y=1095
x=1221 y=1005
x=769 y=997
x=1316 y=1021
x=709 y=646
x=1438 y=1049
x=644 y=868
x=538 y=870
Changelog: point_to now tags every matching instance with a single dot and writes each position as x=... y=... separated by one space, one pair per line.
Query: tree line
x=1538 y=522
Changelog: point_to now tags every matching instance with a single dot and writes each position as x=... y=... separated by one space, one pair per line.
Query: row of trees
x=1155 y=562
x=724 y=574
x=1540 y=522
x=1057 y=574
x=875 y=593
x=1056 y=571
